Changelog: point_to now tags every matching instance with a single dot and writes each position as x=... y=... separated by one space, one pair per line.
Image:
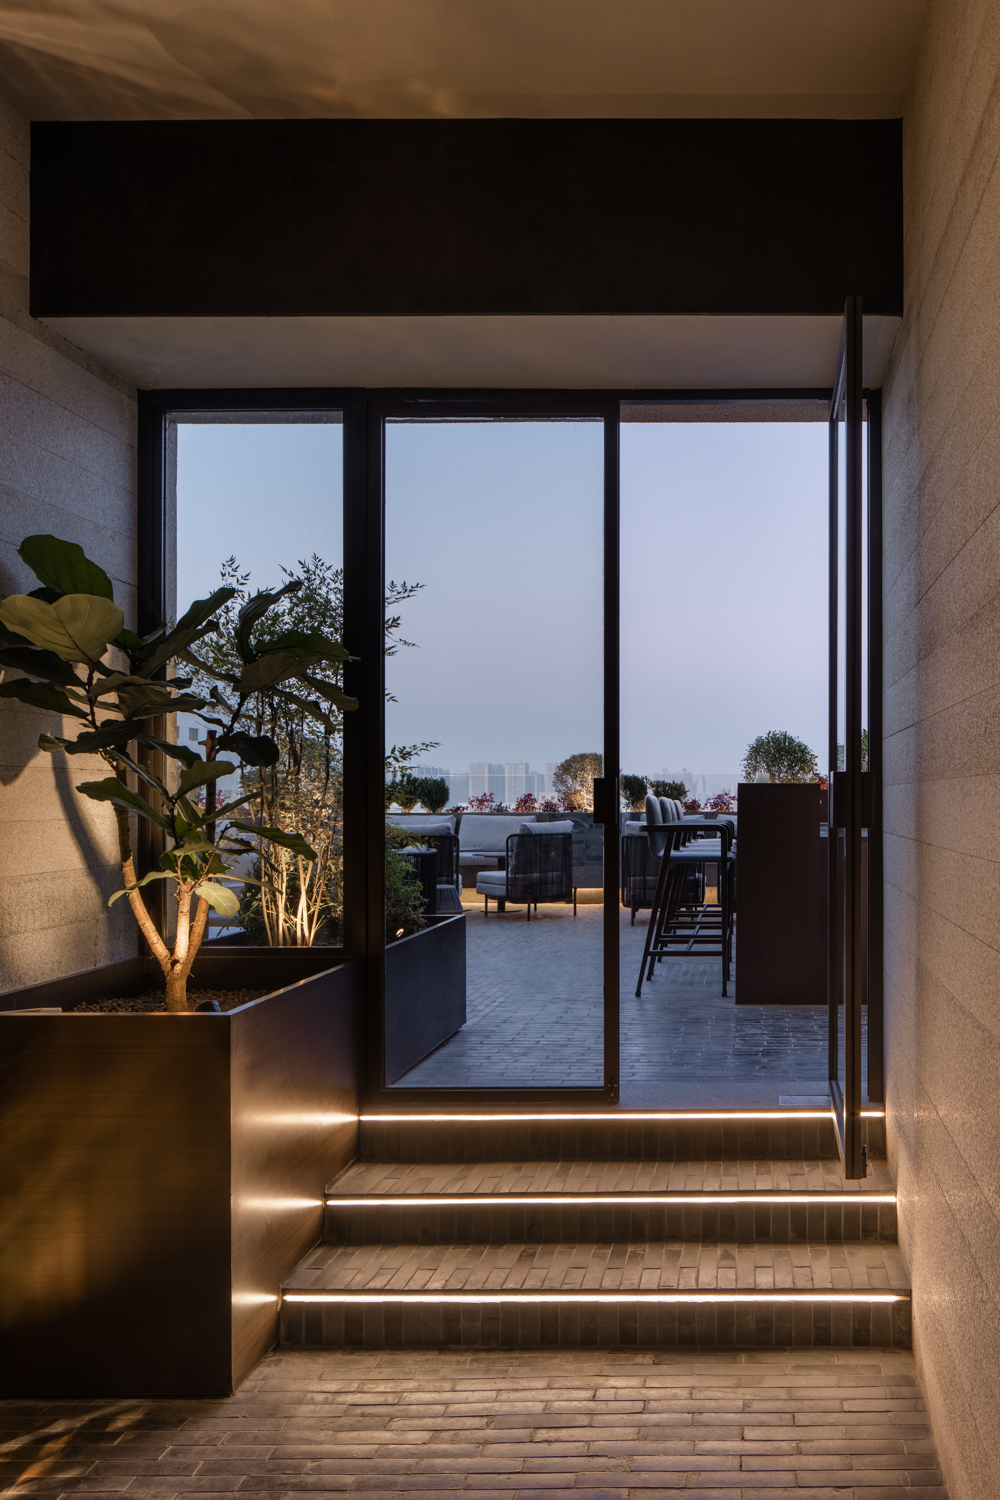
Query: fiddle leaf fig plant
x=61 y=636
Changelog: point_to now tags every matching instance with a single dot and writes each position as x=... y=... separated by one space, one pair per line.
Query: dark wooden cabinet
x=782 y=900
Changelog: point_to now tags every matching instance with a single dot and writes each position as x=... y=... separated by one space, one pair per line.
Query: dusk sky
x=723 y=536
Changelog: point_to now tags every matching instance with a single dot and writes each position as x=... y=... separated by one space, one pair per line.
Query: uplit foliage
x=574 y=781
x=781 y=756
x=60 y=635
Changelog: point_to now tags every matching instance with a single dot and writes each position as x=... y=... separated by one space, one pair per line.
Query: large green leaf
x=253 y=750
x=113 y=791
x=153 y=875
x=78 y=627
x=277 y=666
x=161 y=644
x=293 y=841
x=182 y=753
x=312 y=642
x=219 y=897
x=45 y=664
x=114 y=681
x=203 y=772
x=64 y=566
x=331 y=693
x=254 y=610
x=147 y=702
x=40 y=695
x=106 y=737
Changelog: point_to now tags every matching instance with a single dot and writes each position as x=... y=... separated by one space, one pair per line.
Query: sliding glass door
x=500 y=877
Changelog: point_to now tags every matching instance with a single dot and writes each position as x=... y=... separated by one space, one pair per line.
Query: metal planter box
x=160 y=1174
x=424 y=993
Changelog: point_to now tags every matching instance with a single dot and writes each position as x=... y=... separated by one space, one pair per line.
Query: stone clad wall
x=67 y=465
x=942 y=728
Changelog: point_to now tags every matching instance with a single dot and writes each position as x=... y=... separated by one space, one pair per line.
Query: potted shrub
x=159 y=1173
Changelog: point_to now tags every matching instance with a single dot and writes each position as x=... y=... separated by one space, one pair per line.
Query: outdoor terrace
x=535 y=1020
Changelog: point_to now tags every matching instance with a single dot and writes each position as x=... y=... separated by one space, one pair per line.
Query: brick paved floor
x=819 y=1425
x=535 y=1019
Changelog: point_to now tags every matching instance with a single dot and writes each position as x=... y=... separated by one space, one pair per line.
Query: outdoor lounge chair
x=439 y=834
x=539 y=867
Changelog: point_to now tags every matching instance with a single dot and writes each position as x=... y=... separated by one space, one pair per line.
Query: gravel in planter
x=154 y=1000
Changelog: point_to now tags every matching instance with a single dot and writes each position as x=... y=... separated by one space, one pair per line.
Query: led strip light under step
x=585 y=1297
x=613 y=1116
x=607 y=1200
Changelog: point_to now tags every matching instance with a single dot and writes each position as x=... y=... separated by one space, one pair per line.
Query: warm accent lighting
x=473 y=1298
x=268 y=1205
x=609 y=1116
x=303 y=1119
x=681 y=1200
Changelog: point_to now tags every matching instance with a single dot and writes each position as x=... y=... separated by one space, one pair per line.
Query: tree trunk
x=176 y=990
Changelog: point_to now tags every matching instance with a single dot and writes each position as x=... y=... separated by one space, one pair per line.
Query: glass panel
x=724 y=644
x=259 y=502
x=494 y=721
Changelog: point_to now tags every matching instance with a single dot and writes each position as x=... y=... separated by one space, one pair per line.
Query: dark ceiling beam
x=404 y=217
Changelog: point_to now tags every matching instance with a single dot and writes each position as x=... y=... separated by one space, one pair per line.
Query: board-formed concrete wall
x=67 y=466
x=942 y=729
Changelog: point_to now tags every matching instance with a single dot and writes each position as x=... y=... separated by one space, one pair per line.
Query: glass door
x=500 y=687
x=848 y=737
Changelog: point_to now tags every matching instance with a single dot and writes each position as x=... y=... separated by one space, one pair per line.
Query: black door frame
x=507 y=405
x=363 y=616
x=850 y=786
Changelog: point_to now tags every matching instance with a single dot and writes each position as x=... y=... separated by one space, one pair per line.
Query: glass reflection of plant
x=72 y=622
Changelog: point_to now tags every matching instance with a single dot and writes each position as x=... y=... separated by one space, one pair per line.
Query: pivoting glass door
x=848 y=741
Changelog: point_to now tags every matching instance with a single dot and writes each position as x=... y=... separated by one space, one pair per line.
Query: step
x=606 y=1135
x=550 y=1201
x=650 y=1293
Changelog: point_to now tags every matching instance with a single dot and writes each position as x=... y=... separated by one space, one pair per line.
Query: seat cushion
x=424 y=825
x=485 y=833
x=565 y=826
x=492 y=883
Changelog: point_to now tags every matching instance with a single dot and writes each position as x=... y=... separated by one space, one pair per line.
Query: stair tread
x=414 y=1179
x=638 y=1266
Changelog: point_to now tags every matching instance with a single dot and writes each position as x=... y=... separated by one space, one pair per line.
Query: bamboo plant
x=68 y=638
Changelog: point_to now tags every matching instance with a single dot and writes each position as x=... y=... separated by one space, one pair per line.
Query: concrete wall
x=67 y=465
x=942 y=674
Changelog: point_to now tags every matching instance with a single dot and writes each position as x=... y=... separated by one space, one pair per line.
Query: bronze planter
x=160 y=1174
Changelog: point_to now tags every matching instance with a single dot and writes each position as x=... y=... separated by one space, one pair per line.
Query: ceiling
x=536 y=352
x=368 y=59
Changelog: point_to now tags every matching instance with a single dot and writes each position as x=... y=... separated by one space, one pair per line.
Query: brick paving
x=535 y=1019
x=381 y=1177
x=643 y=1265
x=819 y=1425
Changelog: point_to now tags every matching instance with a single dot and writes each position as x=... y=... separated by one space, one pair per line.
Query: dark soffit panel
x=413 y=217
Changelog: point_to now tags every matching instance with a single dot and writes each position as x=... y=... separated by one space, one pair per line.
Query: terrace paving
x=535 y=1021
x=502 y=1425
